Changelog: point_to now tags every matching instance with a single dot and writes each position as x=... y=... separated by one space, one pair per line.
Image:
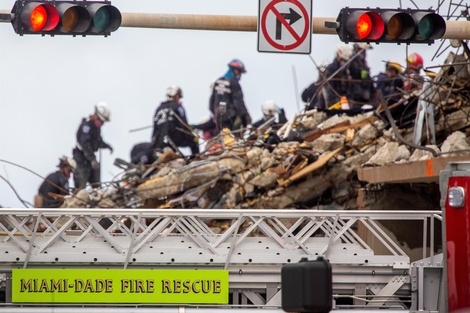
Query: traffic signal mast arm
x=454 y=29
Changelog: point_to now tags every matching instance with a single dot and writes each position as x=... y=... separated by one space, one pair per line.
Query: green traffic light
x=101 y=19
x=426 y=27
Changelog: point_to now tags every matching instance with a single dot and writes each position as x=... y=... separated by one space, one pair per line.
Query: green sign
x=120 y=286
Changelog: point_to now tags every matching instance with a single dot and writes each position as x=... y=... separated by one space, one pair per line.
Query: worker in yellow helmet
x=390 y=82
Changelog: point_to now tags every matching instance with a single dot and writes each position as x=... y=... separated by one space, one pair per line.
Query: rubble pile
x=313 y=167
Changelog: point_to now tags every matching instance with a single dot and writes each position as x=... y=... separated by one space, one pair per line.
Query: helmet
x=363 y=45
x=66 y=161
x=173 y=91
x=103 y=112
x=393 y=65
x=415 y=61
x=237 y=64
x=323 y=65
x=269 y=108
x=343 y=51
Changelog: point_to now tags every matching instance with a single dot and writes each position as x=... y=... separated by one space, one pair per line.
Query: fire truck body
x=371 y=271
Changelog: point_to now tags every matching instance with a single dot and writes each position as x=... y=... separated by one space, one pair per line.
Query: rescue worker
x=89 y=141
x=337 y=86
x=170 y=125
x=142 y=153
x=56 y=183
x=226 y=102
x=269 y=110
x=315 y=95
x=390 y=82
x=207 y=125
x=361 y=87
x=268 y=132
x=413 y=78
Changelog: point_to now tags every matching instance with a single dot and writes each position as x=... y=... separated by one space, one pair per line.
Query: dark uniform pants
x=84 y=173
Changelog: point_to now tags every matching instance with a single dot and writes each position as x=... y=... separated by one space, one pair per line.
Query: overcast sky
x=48 y=84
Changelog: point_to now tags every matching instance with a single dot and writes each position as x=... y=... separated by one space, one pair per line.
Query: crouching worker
x=56 y=185
x=268 y=125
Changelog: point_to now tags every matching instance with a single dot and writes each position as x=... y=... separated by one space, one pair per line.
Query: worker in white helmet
x=170 y=125
x=89 y=141
x=337 y=85
x=269 y=109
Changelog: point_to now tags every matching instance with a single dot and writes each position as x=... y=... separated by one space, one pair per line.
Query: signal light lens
x=106 y=18
x=75 y=18
x=42 y=17
x=70 y=20
x=394 y=27
x=378 y=26
x=429 y=25
x=364 y=26
x=101 y=20
x=38 y=18
x=425 y=27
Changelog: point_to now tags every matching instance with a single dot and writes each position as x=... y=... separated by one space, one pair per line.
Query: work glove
x=95 y=165
x=108 y=146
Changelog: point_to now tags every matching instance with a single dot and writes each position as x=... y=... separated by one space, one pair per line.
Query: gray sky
x=48 y=84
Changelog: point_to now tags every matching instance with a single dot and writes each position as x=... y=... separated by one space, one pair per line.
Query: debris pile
x=315 y=164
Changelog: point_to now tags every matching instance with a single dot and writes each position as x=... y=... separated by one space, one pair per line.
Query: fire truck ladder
x=251 y=244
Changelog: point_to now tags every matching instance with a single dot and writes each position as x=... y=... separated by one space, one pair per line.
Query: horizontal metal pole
x=208 y=22
x=454 y=29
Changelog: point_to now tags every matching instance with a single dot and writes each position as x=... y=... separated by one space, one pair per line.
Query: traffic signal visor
x=39 y=16
x=389 y=25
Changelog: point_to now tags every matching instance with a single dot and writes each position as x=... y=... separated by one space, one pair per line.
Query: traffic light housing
x=389 y=25
x=65 y=17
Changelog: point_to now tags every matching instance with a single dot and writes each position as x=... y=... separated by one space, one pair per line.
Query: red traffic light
x=389 y=25
x=38 y=16
x=369 y=25
x=80 y=17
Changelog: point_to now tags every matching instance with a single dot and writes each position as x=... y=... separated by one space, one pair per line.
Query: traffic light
x=389 y=25
x=65 y=17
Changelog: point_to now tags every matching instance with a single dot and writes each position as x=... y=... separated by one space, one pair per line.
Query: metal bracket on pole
x=6 y=17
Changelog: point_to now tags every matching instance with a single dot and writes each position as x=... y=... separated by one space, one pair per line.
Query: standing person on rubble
x=55 y=185
x=226 y=102
x=89 y=141
x=315 y=95
x=361 y=86
x=390 y=82
x=170 y=125
x=413 y=78
x=337 y=86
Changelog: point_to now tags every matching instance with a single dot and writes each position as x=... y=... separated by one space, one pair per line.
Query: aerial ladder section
x=252 y=245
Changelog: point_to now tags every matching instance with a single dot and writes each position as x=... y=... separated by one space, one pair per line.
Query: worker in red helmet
x=413 y=78
x=226 y=102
